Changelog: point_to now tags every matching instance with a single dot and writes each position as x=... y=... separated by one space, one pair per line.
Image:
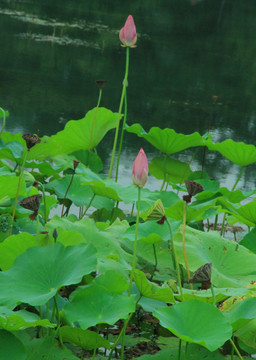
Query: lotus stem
x=176 y=262
x=155 y=266
x=233 y=188
x=57 y=310
x=18 y=190
x=135 y=241
x=164 y=168
x=213 y=295
x=119 y=112
x=179 y=353
x=236 y=349
x=87 y=207
x=4 y=121
x=65 y=196
x=186 y=351
x=122 y=136
x=215 y=222
x=183 y=243
x=95 y=349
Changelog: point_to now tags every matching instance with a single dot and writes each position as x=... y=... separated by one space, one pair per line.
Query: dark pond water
x=188 y=50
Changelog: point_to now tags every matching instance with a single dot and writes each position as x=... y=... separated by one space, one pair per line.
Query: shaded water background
x=187 y=51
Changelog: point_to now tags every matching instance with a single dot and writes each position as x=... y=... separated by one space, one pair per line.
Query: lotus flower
x=140 y=169
x=127 y=34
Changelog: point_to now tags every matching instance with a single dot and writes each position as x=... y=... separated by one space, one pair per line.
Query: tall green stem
x=135 y=242
x=236 y=349
x=4 y=121
x=71 y=180
x=122 y=136
x=18 y=190
x=183 y=242
x=164 y=168
x=119 y=112
x=233 y=188
x=176 y=262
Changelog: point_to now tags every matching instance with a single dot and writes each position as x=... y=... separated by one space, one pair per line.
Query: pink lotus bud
x=140 y=169
x=127 y=34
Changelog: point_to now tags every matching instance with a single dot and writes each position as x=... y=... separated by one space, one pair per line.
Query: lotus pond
x=93 y=269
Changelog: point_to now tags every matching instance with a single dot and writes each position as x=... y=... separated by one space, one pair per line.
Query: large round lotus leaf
x=150 y=232
x=247 y=213
x=232 y=264
x=247 y=334
x=106 y=243
x=77 y=134
x=85 y=339
x=14 y=246
x=97 y=304
x=16 y=320
x=38 y=273
x=46 y=348
x=12 y=150
x=169 y=169
x=167 y=140
x=242 y=314
x=196 y=322
x=11 y=347
x=151 y=290
x=206 y=295
x=237 y=152
x=9 y=185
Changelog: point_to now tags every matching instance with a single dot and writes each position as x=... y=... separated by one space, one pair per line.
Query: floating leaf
x=196 y=322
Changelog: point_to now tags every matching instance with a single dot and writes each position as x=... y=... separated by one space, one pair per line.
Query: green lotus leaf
x=11 y=347
x=9 y=185
x=247 y=213
x=150 y=232
x=249 y=241
x=151 y=290
x=38 y=273
x=167 y=140
x=196 y=322
x=242 y=313
x=206 y=295
x=106 y=242
x=77 y=134
x=100 y=302
x=232 y=265
x=169 y=169
x=18 y=320
x=12 y=150
x=46 y=348
x=85 y=339
x=247 y=334
x=237 y=152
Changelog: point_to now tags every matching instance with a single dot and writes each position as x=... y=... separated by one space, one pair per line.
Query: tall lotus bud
x=127 y=34
x=140 y=169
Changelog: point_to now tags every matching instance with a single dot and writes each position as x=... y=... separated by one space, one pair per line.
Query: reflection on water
x=188 y=51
